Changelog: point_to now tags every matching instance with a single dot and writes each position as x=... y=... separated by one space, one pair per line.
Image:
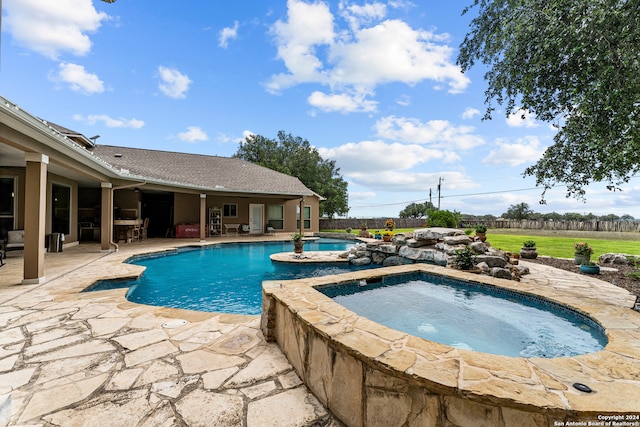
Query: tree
x=519 y=212
x=443 y=218
x=415 y=210
x=553 y=216
x=571 y=63
x=296 y=157
x=609 y=217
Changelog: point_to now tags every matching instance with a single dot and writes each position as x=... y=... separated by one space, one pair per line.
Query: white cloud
x=436 y=132
x=343 y=103
x=78 y=79
x=308 y=25
x=228 y=33
x=193 y=134
x=376 y=156
x=403 y=182
x=361 y=195
x=109 y=122
x=359 y=59
x=404 y=100
x=516 y=119
x=357 y=15
x=52 y=27
x=524 y=150
x=392 y=51
x=173 y=83
x=470 y=113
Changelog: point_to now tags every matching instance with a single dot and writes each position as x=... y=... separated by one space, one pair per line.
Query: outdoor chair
x=136 y=233
x=144 y=229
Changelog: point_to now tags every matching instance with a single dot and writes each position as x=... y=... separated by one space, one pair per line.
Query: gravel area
x=615 y=274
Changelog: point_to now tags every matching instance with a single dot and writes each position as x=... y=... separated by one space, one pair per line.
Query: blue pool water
x=224 y=278
x=472 y=317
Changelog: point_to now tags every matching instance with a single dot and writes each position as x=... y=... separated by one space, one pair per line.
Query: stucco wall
x=186 y=208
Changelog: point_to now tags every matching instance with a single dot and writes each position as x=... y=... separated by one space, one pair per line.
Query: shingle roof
x=71 y=134
x=200 y=171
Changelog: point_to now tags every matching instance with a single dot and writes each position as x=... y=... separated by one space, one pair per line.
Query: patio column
x=106 y=217
x=35 y=211
x=203 y=217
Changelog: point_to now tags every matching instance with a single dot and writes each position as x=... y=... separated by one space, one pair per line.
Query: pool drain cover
x=582 y=387
x=172 y=324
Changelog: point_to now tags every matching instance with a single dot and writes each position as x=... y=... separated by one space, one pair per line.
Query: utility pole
x=439 y=188
x=430 y=204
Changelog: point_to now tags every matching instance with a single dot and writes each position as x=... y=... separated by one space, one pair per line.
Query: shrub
x=529 y=244
x=582 y=248
x=465 y=260
x=481 y=228
x=390 y=224
x=445 y=218
x=348 y=230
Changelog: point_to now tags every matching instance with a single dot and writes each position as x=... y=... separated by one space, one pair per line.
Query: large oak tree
x=575 y=64
x=296 y=157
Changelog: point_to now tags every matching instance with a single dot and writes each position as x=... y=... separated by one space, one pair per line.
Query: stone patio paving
x=95 y=359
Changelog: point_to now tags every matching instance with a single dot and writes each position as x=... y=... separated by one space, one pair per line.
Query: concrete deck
x=75 y=359
x=95 y=359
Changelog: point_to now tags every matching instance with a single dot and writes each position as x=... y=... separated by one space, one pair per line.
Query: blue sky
x=373 y=85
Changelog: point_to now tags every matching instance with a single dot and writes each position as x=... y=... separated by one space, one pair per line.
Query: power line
x=492 y=192
x=453 y=195
x=466 y=195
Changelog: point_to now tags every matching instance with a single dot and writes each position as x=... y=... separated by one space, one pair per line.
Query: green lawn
x=562 y=247
x=556 y=244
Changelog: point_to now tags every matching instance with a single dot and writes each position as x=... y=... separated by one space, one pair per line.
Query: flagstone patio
x=86 y=359
x=95 y=359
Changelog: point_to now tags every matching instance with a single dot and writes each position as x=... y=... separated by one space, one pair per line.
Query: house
x=55 y=180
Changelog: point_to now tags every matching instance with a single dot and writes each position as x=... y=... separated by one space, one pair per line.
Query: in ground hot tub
x=369 y=374
x=471 y=315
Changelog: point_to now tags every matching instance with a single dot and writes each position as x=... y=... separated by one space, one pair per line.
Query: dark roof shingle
x=200 y=171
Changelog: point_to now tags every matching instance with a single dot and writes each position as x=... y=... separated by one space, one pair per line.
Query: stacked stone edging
x=436 y=246
x=617 y=258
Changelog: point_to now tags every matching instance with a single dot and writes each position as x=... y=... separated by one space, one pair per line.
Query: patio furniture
x=144 y=229
x=235 y=227
x=136 y=233
x=14 y=240
x=123 y=228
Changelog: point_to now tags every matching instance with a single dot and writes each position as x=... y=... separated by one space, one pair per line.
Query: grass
x=557 y=244
x=561 y=247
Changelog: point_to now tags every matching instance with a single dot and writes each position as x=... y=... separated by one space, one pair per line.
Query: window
x=275 y=216
x=61 y=209
x=306 y=217
x=7 y=202
x=230 y=210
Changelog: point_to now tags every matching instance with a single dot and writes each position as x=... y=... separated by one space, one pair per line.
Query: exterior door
x=256 y=216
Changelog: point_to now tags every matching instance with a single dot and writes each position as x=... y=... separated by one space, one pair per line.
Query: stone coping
x=309 y=257
x=535 y=385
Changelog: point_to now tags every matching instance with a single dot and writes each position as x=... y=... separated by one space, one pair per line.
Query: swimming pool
x=471 y=316
x=225 y=278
